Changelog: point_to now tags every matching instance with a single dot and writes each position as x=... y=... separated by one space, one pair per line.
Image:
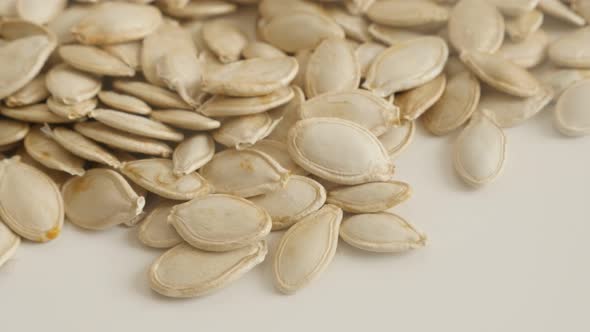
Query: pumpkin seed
x=184 y=271
x=136 y=124
x=185 y=120
x=38 y=113
x=40 y=11
x=129 y=53
x=12 y=131
x=571 y=116
x=528 y=53
x=455 y=106
x=569 y=51
x=397 y=138
x=117 y=22
x=245 y=173
x=124 y=102
x=332 y=67
x=480 y=151
x=182 y=73
x=220 y=105
x=407 y=14
x=100 y=199
x=286 y=206
x=155 y=231
x=307 y=249
x=510 y=111
x=199 y=9
x=476 y=25
x=370 y=197
x=192 y=154
x=291 y=115
x=73 y=111
x=157 y=176
x=220 y=222
x=520 y=28
x=250 y=78
x=392 y=36
x=299 y=30
x=122 y=140
x=151 y=94
x=94 y=60
x=415 y=102
x=359 y=106
x=259 y=49
x=515 y=7
x=52 y=155
x=9 y=242
x=71 y=86
x=244 y=131
x=366 y=54
x=309 y=137
x=278 y=151
x=381 y=232
x=32 y=93
x=62 y=24
x=82 y=146
x=560 y=11
x=355 y=27
x=406 y=65
x=501 y=74
x=30 y=202
x=224 y=39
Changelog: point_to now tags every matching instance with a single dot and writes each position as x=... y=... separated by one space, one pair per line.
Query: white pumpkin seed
x=259 y=49
x=245 y=173
x=480 y=151
x=244 y=131
x=38 y=113
x=136 y=124
x=415 y=102
x=392 y=36
x=82 y=146
x=9 y=242
x=129 y=53
x=476 y=25
x=117 y=22
x=571 y=115
x=220 y=105
x=366 y=54
x=182 y=73
x=32 y=93
x=94 y=60
x=30 y=202
x=370 y=197
x=528 y=53
x=407 y=14
x=332 y=67
x=192 y=154
x=250 y=78
x=157 y=176
x=286 y=206
x=455 y=106
x=354 y=26
x=72 y=111
x=290 y=116
x=572 y=50
x=224 y=39
x=381 y=232
x=12 y=131
x=100 y=199
x=51 y=154
x=355 y=155
x=220 y=222
x=560 y=11
x=151 y=94
x=510 y=111
x=122 y=140
x=184 y=271
x=71 y=86
x=124 y=102
x=185 y=120
x=406 y=65
x=522 y=27
x=200 y=9
x=397 y=138
x=278 y=151
x=155 y=231
x=62 y=24
x=307 y=249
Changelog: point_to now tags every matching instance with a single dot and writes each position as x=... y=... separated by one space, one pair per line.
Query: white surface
x=513 y=256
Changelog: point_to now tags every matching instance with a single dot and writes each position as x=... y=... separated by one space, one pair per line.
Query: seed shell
x=370 y=197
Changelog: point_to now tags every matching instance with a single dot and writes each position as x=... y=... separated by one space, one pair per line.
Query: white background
x=513 y=256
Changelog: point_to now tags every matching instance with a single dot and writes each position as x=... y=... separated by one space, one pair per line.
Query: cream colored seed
x=124 y=103
x=155 y=231
x=72 y=112
x=370 y=197
x=192 y=154
x=51 y=154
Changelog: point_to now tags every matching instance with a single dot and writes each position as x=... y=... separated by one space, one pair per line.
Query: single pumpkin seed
x=571 y=115
x=366 y=54
x=307 y=249
x=510 y=111
x=33 y=92
x=182 y=72
x=129 y=53
x=185 y=119
x=12 y=131
x=244 y=131
x=100 y=199
x=415 y=102
x=124 y=102
x=476 y=25
x=200 y=9
x=155 y=231
x=94 y=60
x=70 y=86
x=51 y=154
x=9 y=242
x=38 y=113
x=220 y=105
x=407 y=14
x=224 y=39
x=72 y=111
x=279 y=152
x=522 y=27
x=392 y=36
x=398 y=138
x=370 y=197
x=561 y=11
x=192 y=154
x=354 y=26
x=258 y=49
x=151 y=94
x=136 y=124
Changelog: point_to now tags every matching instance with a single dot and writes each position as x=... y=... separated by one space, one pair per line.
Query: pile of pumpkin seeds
x=209 y=124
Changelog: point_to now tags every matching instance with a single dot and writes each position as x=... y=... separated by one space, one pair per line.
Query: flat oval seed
x=501 y=74
x=299 y=30
x=480 y=151
x=288 y=205
x=476 y=25
x=33 y=92
x=528 y=53
x=510 y=111
x=124 y=103
x=155 y=231
x=151 y=94
x=30 y=202
x=117 y=22
x=572 y=50
x=224 y=39
x=62 y=24
x=397 y=138
x=38 y=113
x=407 y=14
x=122 y=140
x=415 y=102
x=185 y=120
x=157 y=176
x=136 y=124
x=200 y=9
x=9 y=242
x=244 y=173
x=182 y=72
x=100 y=199
x=94 y=60
x=571 y=115
x=366 y=54
x=220 y=222
x=184 y=271
x=250 y=78
x=52 y=155
x=370 y=197
x=244 y=131
x=522 y=27
x=71 y=86
x=392 y=36
x=12 y=131
x=73 y=111
x=192 y=154
x=381 y=232
x=455 y=106
x=359 y=106
x=407 y=65
x=279 y=152
x=355 y=27
x=40 y=11
x=258 y=49
x=220 y=105
x=307 y=249
x=355 y=155
x=129 y=53
x=561 y=11
x=332 y=67
x=83 y=147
